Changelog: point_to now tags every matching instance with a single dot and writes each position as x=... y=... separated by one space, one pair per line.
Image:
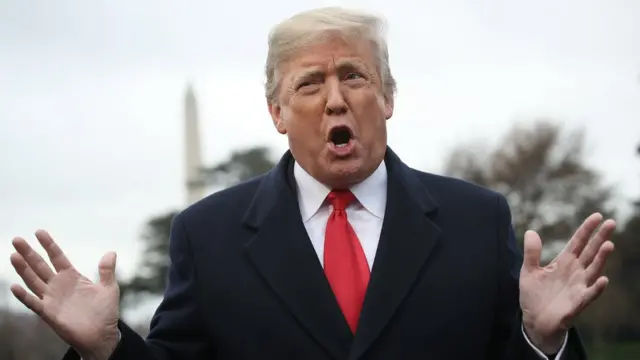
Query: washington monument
x=195 y=185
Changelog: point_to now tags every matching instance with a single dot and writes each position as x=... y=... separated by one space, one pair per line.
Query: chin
x=345 y=172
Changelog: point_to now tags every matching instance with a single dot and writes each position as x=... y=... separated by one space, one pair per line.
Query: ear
x=276 y=116
x=388 y=107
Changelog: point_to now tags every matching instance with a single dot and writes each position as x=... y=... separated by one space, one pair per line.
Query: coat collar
x=281 y=178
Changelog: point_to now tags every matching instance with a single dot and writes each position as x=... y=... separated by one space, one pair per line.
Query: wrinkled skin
x=329 y=84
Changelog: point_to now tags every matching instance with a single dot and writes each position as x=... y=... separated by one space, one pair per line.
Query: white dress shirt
x=365 y=216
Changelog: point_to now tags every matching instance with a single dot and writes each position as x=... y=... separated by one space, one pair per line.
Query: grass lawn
x=616 y=351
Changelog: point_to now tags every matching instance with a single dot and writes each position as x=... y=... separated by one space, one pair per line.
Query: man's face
x=332 y=107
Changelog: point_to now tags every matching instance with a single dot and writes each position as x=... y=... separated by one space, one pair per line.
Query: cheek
x=304 y=116
x=372 y=110
x=372 y=119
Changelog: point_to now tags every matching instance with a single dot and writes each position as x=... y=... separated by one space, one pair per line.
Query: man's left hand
x=552 y=296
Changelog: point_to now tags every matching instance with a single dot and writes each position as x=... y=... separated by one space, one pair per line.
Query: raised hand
x=551 y=296
x=84 y=314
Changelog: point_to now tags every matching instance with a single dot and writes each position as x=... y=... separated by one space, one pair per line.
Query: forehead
x=329 y=54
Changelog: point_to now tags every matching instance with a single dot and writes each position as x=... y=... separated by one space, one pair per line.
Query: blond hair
x=317 y=25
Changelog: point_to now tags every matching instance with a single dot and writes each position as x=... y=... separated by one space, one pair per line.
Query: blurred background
x=116 y=114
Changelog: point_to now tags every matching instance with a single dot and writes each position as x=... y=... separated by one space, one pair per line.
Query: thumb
x=107 y=269
x=532 y=250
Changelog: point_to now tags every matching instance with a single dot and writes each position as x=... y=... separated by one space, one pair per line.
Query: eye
x=303 y=84
x=308 y=84
x=353 y=76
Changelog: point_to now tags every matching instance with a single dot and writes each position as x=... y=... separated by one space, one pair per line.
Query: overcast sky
x=91 y=97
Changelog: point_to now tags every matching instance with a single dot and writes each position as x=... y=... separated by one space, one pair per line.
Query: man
x=341 y=251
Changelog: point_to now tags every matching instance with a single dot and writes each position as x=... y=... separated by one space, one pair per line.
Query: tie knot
x=340 y=199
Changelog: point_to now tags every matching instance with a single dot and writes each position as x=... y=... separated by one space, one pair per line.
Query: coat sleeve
x=176 y=330
x=508 y=339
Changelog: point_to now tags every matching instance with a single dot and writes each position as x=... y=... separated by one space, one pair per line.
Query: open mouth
x=340 y=136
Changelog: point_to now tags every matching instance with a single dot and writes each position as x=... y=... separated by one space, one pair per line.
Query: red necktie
x=345 y=264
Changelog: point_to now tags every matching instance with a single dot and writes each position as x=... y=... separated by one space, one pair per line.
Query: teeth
x=341 y=145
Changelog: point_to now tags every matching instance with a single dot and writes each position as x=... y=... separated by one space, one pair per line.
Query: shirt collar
x=371 y=193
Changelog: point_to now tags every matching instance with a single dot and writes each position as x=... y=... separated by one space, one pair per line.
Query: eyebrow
x=309 y=74
x=341 y=66
x=351 y=64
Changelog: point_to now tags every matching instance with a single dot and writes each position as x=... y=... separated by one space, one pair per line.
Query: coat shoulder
x=233 y=200
x=450 y=190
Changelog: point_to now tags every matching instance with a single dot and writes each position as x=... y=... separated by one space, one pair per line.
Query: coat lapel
x=408 y=237
x=283 y=255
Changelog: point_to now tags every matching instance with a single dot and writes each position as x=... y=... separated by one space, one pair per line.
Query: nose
x=336 y=104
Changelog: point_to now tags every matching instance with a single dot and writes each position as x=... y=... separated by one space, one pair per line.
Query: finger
x=593 y=247
x=29 y=300
x=594 y=291
x=33 y=282
x=58 y=259
x=595 y=269
x=583 y=234
x=33 y=259
x=107 y=269
x=532 y=250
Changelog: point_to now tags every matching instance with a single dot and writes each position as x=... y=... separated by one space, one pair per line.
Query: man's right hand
x=84 y=314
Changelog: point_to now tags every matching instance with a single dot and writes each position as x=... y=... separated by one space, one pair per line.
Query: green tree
x=242 y=165
x=151 y=274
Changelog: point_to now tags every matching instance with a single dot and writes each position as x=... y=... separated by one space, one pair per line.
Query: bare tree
x=541 y=172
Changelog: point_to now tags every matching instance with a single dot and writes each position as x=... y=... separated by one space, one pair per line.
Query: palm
x=77 y=307
x=553 y=293
x=80 y=311
x=551 y=296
